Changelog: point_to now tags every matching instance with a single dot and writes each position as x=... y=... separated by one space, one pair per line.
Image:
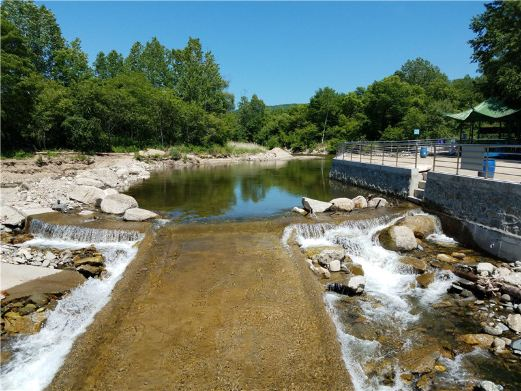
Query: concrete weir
x=476 y=211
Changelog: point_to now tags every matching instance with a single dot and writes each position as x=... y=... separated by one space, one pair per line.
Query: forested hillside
x=53 y=97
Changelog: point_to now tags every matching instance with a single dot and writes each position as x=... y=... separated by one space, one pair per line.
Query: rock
x=486 y=385
x=424 y=280
x=35 y=211
x=315 y=206
x=18 y=324
x=27 y=309
x=152 y=153
x=421 y=225
x=86 y=181
x=10 y=216
x=342 y=204
x=485 y=267
x=493 y=330
x=325 y=257
x=299 y=211
x=322 y=272
x=482 y=340
x=514 y=322
x=89 y=195
x=86 y=213
x=334 y=266
x=357 y=284
x=118 y=203
x=138 y=214
x=445 y=258
x=95 y=260
x=398 y=238
x=356 y=270
x=39 y=299
x=377 y=202
x=516 y=345
x=420 y=359
x=499 y=345
x=419 y=265
x=60 y=206
x=110 y=192
x=458 y=255
x=90 y=270
x=505 y=298
x=359 y=202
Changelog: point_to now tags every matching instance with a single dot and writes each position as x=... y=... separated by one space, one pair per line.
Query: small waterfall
x=37 y=358
x=81 y=234
x=392 y=304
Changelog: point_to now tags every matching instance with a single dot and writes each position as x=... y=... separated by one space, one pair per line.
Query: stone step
x=415 y=200
x=418 y=193
x=421 y=184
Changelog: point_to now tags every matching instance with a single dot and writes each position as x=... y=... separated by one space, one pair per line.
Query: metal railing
x=498 y=161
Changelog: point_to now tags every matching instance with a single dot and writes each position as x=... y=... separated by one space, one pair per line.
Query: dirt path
x=210 y=306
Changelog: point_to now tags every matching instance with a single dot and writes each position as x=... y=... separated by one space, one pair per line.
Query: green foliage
x=497 y=49
x=251 y=116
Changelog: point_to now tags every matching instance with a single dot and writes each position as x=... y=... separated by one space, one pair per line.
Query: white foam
x=37 y=358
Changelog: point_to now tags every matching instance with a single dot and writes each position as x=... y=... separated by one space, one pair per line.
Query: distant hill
x=284 y=106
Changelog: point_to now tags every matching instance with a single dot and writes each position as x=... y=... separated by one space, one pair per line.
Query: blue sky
x=284 y=52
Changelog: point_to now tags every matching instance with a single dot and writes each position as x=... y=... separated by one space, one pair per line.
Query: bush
x=86 y=135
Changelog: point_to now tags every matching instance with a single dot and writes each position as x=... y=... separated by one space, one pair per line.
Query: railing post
x=352 y=152
x=486 y=162
x=344 y=151
x=360 y=152
x=383 y=153
x=416 y=156
x=458 y=148
x=434 y=160
x=396 y=146
x=371 y=154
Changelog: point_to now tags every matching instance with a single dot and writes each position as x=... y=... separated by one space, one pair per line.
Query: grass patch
x=18 y=155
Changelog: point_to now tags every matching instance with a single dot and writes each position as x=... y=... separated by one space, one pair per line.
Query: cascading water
x=375 y=328
x=37 y=358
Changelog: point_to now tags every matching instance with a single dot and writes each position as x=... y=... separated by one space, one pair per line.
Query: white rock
x=499 y=344
x=323 y=271
x=49 y=256
x=138 y=214
x=334 y=266
x=122 y=173
x=86 y=181
x=399 y=238
x=486 y=385
x=118 y=203
x=325 y=257
x=10 y=216
x=343 y=204
x=514 y=322
x=377 y=202
x=36 y=211
x=89 y=195
x=485 y=267
x=360 y=202
x=110 y=191
x=86 y=213
x=356 y=283
x=299 y=211
x=315 y=206
x=26 y=253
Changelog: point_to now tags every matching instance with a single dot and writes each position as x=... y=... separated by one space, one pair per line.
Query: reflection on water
x=238 y=191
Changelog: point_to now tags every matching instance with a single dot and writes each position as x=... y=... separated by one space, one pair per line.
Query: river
x=220 y=297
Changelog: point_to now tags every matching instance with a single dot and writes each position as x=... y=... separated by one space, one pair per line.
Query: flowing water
x=36 y=358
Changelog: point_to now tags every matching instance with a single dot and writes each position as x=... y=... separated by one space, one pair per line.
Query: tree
x=39 y=28
x=421 y=72
x=110 y=65
x=324 y=108
x=197 y=78
x=71 y=64
x=18 y=86
x=251 y=116
x=497 y=49
x=156 y=63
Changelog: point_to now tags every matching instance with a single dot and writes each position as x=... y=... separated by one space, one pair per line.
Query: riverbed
x=219 y=296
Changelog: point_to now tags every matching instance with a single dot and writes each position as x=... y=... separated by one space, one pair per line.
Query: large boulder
x=89 y=195
x=514 y=322
x=105 y=175
x=421 y=225
x=377 y=202
x=118 y=203
x=360 y=202
x=398 y=238
x=325 y=257
x=356 y=284
x=138 y=214
x=299 y=211
x=481 y=340
x=315 y=206
x=10 y=216
x=342 y=204
x=85 y=181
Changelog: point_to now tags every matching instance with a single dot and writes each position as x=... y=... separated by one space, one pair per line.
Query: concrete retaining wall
x=489 y=211
x=391 y=180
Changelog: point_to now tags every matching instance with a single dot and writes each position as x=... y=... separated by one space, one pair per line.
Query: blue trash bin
x=424 y=152
x=490 y=167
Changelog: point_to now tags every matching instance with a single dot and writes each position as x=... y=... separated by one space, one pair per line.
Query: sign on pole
x=416 y=132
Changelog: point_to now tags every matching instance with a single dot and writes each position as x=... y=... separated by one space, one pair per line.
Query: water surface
x=239 y=191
